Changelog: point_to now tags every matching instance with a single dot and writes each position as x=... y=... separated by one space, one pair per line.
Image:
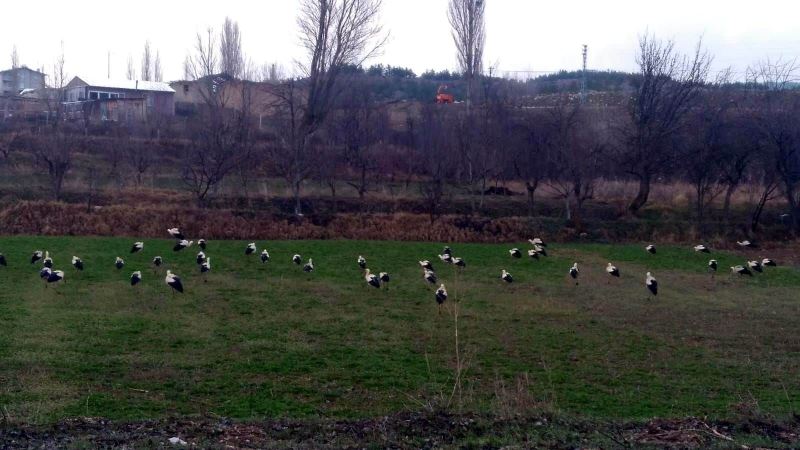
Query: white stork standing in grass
x=459 y=262
x=174 y=282
x=137 y=247
x=202 y=243
x=745 y=244
x=612 y=270
x=441 y=296
x=651 y=249
x=574 y=273
x=55 y=276
x=446 y=258
x=136 y=278
x=47 y=261
x=533 y=254
x=372 y=279
x=429 y=276
x=505 y=276
x=176 y=233
x=651 y=283
x=250 y=249
x=426 y=265
x=701 y=249
x=384 y=277
x=769 y=262
x=309 y=267
x=264 y=256
x=180 y=245
x=447 y=251
x=756 y=266
x=741 y=270
x=3 y=261
x=713 y=265
x=201 y=257
x=157 y=261
x=362 y=262
x=205 y=267
x=297 y=259
x=77 y=263
x=540 y=250
x=537 y=241
x=515 y=253
x=119 y=263
x=44 y=273
x=36 y=256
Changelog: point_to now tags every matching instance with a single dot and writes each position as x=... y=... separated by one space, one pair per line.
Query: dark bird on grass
x=459 y=262
x=756 y=265
x=537 y=241
x=250 y=249
x=612 y=270
x=515 y=253
x=136 y=278
x=174 y=282
x=201 y=257
x=180 y=245
x=426 y=265
x=372 y=279
x=505 y=276
x=77 y=263
x=309 y=267
x=741 y=270
x=44 y=273
x=446 y=258
x=573 y=273
x=766 y=262
x=447 y=251
x=362 y=262
x=202 y=243
x=3 y=261
x=137 y=247
x=441 y=296
x=264 y=256
x=55 y=276
x=540 y=250
x=157 y=261
x=384 y=277
x=36 y=256
x=47 y=261
x=205 y=267
x=746 y=244
x=701 y=249
x=533 y=254
x=651 y=283
x=713 y=265
x=651 y=249
x=176 y=233
x=120 y=263
x=297 y=259
x=430 y=276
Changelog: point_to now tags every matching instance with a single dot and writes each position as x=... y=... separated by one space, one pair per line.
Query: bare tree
x=157 y=72
x=668 y=86
x=232 y=59
x=130 y=72
x=467 y=20
x=335 y=34
x=14 y=58
x=53 y=151
x=54 y=93
x=147 y=63
x=204 y=62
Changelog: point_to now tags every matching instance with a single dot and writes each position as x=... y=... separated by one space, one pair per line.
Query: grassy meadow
x=267 y=340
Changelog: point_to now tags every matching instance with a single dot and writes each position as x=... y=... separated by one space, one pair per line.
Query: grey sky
x=523 y=35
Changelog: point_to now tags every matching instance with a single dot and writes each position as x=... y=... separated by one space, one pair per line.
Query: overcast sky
x=523 y=35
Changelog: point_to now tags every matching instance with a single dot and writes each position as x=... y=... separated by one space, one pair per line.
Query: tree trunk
x=298 y=210
x=531 y=193
x=643 y=195
x=726 y=205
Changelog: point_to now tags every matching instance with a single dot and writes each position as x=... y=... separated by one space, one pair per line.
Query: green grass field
x=268 y=340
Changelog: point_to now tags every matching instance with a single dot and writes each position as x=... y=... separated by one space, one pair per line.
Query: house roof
x=21 y=68
x=131 y=85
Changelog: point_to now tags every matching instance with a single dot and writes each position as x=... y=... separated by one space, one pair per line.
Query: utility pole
x=583 y=75
x=109 y=64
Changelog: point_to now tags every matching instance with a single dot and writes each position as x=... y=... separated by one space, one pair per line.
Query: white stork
x=533 y=254
x=309 y=267
x=745 y=244
x=537 y=241
x=769 y=262
x=54 y=276
x=264 y=256
x=384 y=277
x=713 y=265
x=77 y=263
x=176 y=233
x=441 y=296
x=205 y=267
x=652 y=284
x=756 y=265
x=505 y=276
x=137 y=247
x=372 y=279
x=201 y=257
x=174 y=282
x=651 y=249
x=136 y=278
x=47 y=261
x=250 y=249
x=36 y=256
x=515 y=253
x=459 y=262
x=182 y=244
x=612 y=270
x=426 y=265
x=362 y=262
x=447 y=251
x=446 y=258
x=540 y=250
x=573 y=273
x=297 y=259
x=430 y=276
x=119 y=263
x=741 y=270
x=202 y=243
x=701 y=249
x=157 y=261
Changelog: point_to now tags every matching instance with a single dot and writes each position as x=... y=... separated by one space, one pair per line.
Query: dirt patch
x=406 y=430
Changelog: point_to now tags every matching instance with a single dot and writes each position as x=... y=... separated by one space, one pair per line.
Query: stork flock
x=376 y=280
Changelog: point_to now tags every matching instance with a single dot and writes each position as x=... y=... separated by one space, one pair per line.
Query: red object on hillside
x=442 y=97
